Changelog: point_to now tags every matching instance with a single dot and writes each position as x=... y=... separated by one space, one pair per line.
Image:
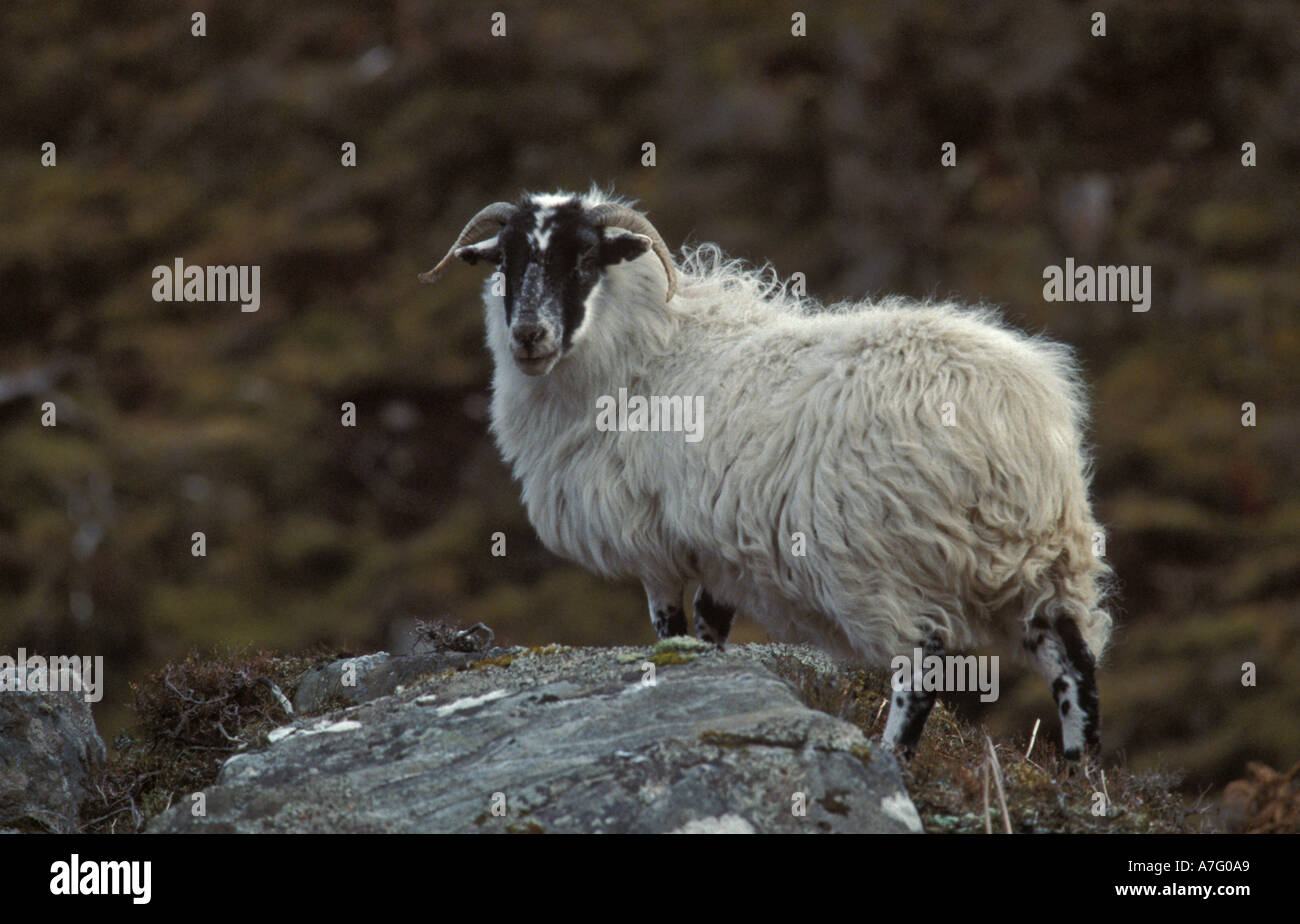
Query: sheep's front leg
x=667 y=614
x=712 y=619
x=910 y=707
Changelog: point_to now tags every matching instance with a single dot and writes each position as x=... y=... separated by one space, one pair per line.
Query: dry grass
x=1033 y=789
x=192 y=715
x=1265 y=802
x=189 y=717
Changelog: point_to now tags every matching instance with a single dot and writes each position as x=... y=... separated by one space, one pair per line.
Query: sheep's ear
x=618 y=245
x=489 y=250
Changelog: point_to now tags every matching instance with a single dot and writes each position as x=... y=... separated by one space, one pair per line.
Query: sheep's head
x=552 y=251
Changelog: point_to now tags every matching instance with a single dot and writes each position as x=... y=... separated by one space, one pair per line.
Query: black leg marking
x=1084 y=666
x=667 y=614
x=668 y=620
x=908 y=709
x=1063 y=658
x=712 y=619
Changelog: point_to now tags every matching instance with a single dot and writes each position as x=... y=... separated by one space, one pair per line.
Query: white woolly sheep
x=871 y=477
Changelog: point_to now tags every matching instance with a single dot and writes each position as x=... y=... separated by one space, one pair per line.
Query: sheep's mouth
x=537 y=365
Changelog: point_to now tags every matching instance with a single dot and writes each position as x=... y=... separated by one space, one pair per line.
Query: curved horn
x=492 y=218
x=620 y=216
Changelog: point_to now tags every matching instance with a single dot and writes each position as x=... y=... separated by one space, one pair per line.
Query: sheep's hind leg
x=667 y=614
x=712 y=619
x=1063 y=658
x=909 y=708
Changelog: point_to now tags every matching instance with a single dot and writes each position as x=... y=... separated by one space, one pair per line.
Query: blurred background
x=821 y=154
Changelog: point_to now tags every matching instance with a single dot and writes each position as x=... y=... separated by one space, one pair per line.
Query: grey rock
x=374 y=675
x=569 y=740
x=48 y=743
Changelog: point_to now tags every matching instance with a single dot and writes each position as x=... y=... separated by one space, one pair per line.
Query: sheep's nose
x=527 y=335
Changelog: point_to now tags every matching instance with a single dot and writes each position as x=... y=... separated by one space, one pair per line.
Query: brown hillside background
x=820 y=154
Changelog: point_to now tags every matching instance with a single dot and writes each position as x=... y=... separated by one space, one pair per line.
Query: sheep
x=928 y=457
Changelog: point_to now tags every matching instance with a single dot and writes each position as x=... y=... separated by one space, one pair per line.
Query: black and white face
x=552 y=257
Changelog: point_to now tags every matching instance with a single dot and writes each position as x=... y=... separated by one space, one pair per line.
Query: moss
x=682 y=643
x=530 y=827
x=722 y=739
x=500 y=661
x=670 y=657
x=505 y=660
x=731 y=740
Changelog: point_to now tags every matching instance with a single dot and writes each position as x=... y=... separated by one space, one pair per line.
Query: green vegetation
x=670 y=657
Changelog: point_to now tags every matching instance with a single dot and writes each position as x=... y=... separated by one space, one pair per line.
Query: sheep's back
x=927 y=456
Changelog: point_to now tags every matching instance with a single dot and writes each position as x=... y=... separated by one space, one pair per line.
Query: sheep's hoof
x=712 y=642
x=904 y=752
x=1079 y=764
